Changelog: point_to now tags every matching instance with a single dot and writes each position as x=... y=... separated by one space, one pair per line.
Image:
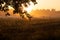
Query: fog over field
x=34 y=14
x=29 y=20
x=45 y=25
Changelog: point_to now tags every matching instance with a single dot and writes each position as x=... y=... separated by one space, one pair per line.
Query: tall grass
x=37 y=29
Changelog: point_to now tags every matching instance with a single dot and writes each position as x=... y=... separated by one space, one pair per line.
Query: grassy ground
x=36 y=29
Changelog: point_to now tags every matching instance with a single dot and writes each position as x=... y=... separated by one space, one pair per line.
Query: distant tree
x=53 y=10
x=48 y=10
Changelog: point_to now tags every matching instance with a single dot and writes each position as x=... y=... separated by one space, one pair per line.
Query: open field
x=36 y=29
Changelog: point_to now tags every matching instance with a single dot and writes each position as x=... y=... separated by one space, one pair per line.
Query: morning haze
x=42 y=23
x=48 y=4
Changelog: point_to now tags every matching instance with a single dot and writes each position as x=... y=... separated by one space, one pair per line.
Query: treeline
x=46 y=11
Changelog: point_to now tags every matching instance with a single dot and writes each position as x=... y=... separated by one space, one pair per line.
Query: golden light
x=10 y=7
x=29 y=7
x=3 y=4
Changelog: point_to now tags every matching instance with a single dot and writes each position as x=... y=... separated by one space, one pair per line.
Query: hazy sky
x=48 y=4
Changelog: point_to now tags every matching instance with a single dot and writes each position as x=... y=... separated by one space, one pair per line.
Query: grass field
x=36 y=29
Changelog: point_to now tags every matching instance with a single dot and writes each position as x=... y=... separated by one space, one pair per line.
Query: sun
x=29 y=7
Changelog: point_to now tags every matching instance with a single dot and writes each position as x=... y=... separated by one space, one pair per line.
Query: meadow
x=36 y=29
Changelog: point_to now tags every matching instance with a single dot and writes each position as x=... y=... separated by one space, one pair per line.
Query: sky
x=48 y=4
